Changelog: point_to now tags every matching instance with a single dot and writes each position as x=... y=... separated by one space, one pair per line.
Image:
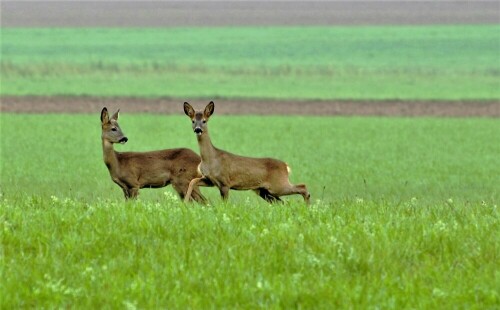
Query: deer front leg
x=224 y=192
x=130 y=193
x=125 y=193
x=133 y=192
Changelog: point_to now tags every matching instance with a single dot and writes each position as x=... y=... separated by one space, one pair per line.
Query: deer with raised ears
x=268 y=177
x=135 y=170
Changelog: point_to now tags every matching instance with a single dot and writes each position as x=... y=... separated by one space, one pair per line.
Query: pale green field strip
x=404 y=62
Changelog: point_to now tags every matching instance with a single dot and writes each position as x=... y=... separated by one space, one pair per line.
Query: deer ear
x=188 y=109
x=104 y=116
x=115 y=116
x=209 y=109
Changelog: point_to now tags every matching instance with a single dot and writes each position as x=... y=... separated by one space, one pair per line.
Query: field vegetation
x=424 y=62
x=404 y=215
x=370 y=158
x=404 y=211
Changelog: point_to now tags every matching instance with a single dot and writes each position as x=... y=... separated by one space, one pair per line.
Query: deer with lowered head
x=268 y=177
x=135 y=170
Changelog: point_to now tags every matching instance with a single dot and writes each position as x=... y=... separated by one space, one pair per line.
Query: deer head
x=111 y=131
x=199 y=118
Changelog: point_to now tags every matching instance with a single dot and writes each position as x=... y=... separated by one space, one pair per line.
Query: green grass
x=404 y=215
x=391 y=159
x=411 y=62
x=60 y=253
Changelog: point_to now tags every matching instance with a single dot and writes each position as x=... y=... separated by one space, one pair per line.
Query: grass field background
x=404 y=210
x=339 y=158
x=66 y=253
x=410 y=62
x=406 y=217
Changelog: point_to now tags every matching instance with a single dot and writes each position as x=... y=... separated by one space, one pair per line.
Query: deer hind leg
x=264 y=194
x=290 y=189
x=302 y=189
x=197 y=193
x=198 y=197
x=193 y=185
x=183 y=188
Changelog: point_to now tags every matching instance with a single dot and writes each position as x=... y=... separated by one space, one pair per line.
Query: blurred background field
x=406 y=62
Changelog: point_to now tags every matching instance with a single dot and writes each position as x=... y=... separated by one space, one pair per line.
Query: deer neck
x=207 y=149
x=110 y=158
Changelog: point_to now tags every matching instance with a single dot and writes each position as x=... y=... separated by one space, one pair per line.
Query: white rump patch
x=288 y=169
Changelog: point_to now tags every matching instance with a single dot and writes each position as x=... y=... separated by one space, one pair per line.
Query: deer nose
x=123 y=140
x=198 y=130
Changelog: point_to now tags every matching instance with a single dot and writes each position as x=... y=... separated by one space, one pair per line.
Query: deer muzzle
x=198 y=130
x=123 y=140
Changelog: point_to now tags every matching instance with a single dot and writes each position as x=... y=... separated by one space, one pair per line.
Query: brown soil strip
x=257 y=107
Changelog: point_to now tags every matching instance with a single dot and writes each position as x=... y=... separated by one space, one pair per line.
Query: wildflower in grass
x=6 y=226
x=359 y=200
x=56 y=287
x=313 y=260
x=438 y=292
x=170 y=197
x=89 y=272
x=339 y=245
x=352 y=254
x=440 y=226
x=69 y=202
x=54 y=199
x=259 y=285
x=262 y=284
x=129 y=305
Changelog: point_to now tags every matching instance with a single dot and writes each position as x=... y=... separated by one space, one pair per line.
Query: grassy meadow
x=404 y=211
x=425 y=62
x=404 y=215
x=339 y=158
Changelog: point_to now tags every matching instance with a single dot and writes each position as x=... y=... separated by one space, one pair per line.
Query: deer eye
x=113 y=129
x=192 y=122
x=204 y=121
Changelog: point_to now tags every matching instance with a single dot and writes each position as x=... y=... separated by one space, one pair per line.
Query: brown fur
x=135 y=170
x=268 y=177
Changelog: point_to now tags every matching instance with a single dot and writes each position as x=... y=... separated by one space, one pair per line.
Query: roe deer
x=268 y=177
x=135 y=170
